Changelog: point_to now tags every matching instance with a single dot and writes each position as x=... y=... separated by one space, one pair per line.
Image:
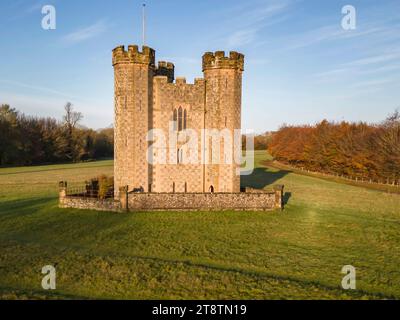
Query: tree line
x=359 y=150
x=366 y=151
x=261 y=141
x=28 y=140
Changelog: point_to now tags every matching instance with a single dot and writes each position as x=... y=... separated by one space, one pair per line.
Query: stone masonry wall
x=252 y=201
x=174 y=176
x=90 y=204
x=201 y=201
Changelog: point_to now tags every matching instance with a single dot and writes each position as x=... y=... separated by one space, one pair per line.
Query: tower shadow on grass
x=23 y=207
x=262 y=178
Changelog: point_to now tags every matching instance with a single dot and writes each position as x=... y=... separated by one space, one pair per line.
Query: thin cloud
x=386 y=68
x=249 y=20
x=382 y=58
x=35 y=88
x=43 y=105
x=86 y=33
x=21 y=10
x=326 y=33
x=242 y=37
x=45 y=90
x=381 y=53
x=331 y=74
x=180 y=60
x=378 y=32
x=373 y=83
x=253 y=13
x=257 y=62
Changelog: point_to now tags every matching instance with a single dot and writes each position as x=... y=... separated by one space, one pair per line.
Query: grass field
x=297 y=254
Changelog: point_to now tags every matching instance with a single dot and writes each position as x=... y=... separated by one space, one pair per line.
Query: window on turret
x=184 y=119
x=180 y=121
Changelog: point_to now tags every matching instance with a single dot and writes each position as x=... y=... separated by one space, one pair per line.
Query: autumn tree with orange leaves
x=359 y=150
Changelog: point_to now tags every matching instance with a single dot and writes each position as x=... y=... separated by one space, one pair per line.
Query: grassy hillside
x=295 y=254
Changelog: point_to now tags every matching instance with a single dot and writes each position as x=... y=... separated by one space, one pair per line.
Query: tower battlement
x=166 y=69
x=218 y=60
x=133 y=55
x=180 y=81
x=166 y=65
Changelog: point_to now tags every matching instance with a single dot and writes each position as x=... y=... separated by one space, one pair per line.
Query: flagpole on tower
x=144 y=24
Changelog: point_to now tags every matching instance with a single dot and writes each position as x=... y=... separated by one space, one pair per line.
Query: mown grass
x=364 y=184
x=295 y=254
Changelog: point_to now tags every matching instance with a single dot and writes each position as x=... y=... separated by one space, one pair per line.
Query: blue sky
x=301 y=65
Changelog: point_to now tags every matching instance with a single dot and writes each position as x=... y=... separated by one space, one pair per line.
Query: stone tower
x=148 y=97
x=133 y=79
x=223 y=77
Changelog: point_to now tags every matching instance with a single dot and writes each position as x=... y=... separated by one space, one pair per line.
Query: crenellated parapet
x=166 y=69
x=218 y=60
x=179 y=82
x=166 y=65
x=121 y=56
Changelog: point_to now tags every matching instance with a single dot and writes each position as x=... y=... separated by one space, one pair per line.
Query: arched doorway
x=211 y=189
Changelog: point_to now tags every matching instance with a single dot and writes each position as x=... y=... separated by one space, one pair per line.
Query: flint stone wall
x=252 y=200
x=201 y=201
x=89 y=204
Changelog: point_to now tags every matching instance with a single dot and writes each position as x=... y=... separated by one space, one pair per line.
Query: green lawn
x=297 y=254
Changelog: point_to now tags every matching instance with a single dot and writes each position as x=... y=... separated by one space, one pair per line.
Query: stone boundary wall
x=201 y=201
x=89 y=204
x=252 y=200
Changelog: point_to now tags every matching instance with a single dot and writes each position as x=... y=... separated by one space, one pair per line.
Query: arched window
x=180 y=115
x=175 y=119
x=180 y=119
x=211 y=189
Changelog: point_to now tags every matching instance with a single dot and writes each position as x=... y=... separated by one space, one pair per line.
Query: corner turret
x=133 y=55
x=218 y=60
x=166 y=69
